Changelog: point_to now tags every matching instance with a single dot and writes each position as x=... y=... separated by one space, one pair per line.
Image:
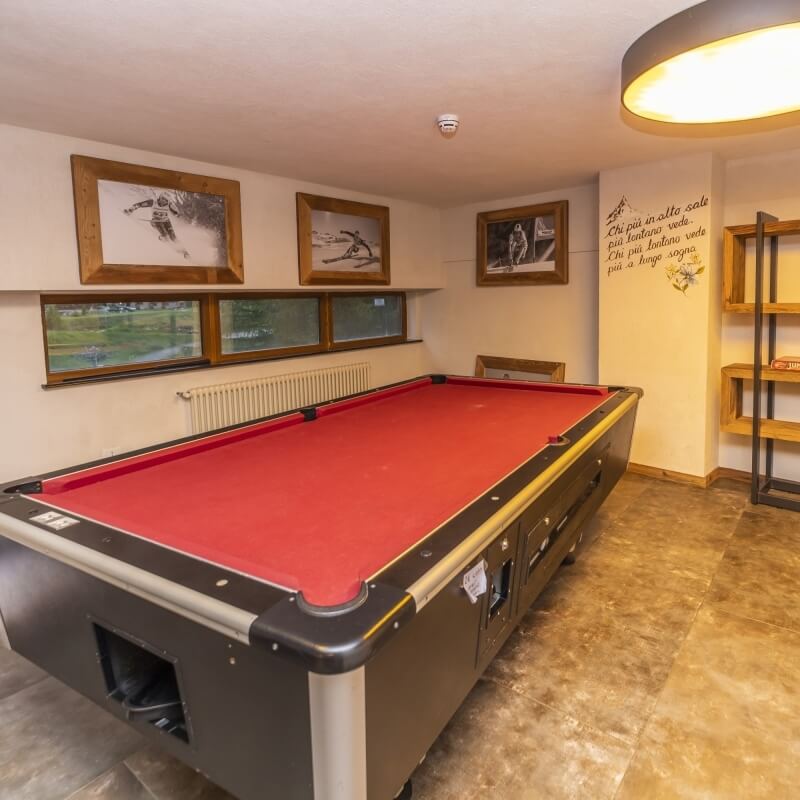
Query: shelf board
x=770 y=428
x=744 y=372
x=733 y=266
x=731 y=418
x=781 y=227
x=768 y=308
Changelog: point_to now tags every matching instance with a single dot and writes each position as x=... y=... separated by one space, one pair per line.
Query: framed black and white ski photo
x=526 y=245
x=342 y=241
x=146 y=225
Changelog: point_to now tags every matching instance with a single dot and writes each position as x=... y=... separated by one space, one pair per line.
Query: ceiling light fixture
x=719 y=61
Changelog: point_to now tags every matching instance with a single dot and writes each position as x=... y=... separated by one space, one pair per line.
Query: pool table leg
x=572 y=553
x=339 y=735
x=4 y=641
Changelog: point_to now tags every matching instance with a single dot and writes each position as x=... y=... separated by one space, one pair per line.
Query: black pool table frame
x=276 y=698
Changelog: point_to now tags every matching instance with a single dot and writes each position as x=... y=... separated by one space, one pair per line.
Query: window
x=104 y=335
x=367 y=317
x=89 y=336
x=249 y=325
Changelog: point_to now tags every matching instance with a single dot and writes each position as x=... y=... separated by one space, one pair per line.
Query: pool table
x=296 y=606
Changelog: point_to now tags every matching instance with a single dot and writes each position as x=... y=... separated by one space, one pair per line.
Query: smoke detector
x=448 y=125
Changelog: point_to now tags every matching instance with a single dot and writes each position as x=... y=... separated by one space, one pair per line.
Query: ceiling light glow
x=747 y=75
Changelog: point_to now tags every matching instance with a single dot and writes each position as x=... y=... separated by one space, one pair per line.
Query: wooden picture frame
x=555 y=370
x=354 y=258
x=525 y=245
x=206 y=248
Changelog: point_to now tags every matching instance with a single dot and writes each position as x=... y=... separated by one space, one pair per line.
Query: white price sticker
x=54 y=520
x=48 y=516
x=474 y=581
x=62 y=522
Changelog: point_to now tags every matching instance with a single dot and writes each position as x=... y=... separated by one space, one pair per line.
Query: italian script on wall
x=666 y=240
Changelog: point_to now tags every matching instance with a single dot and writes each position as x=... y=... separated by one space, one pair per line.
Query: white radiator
x=228 y=403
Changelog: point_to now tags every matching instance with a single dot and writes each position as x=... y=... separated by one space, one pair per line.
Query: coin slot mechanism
x=143 y=683
x=501 y=589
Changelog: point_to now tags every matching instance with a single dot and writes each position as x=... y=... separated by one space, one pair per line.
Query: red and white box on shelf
x=786 y=362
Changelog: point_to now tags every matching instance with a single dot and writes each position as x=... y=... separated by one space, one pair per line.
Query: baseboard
x=733 y=474
x=672 y=475
x=694 y=480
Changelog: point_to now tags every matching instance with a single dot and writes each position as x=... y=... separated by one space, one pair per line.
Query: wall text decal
x=667 y=238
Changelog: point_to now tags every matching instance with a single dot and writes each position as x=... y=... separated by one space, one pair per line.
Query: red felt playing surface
x=320 y=506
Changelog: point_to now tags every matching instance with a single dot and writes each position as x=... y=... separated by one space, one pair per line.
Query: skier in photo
x=517 y=245
x=162 y=207
x=353 y=250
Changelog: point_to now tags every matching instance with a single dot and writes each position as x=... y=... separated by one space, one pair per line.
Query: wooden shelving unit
x=734 y=248
x=762 y=427
x=769 y=308
x=733 y=421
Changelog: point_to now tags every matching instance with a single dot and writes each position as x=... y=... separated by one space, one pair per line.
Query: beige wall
x=47 y=429
x=772 y=184
x=549 y=323
x=37 y=225
x=650 y=334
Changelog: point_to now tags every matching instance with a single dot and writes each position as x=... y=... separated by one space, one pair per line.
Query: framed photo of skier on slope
x=527 y=245
x=146 y=225
x=342 y=242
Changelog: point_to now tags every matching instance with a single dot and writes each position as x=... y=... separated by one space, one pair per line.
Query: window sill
x=206 y=365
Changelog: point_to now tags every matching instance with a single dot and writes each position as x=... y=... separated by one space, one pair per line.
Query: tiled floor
x=665 y=663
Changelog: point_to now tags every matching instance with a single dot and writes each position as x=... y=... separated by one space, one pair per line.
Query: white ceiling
x=346 y=92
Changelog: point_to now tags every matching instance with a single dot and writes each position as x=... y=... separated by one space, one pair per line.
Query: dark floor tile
x=16 y=673
x=759 y=576
x=53 y=741
x=726 y=725
x=660 y=611
x=624 y=494
x=672 y=531
x=118 y=783
x=588 y=666
x=166 y=778
x=502 y=745
x=629 y=488
x=731 y=485
x=773 y=512
x=698 y=515
x=630 y=553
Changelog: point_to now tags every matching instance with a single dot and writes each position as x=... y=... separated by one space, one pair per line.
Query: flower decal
x=683 y=276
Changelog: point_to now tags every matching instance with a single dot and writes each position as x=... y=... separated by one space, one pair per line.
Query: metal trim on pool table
x=339 y=735
x=439 y=576
x=49 y=504
x=196 y=606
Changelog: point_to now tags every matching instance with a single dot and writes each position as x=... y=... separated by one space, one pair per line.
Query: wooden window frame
x=211 y=333
x=218 y=357
x=355 y=344
x=67 y=376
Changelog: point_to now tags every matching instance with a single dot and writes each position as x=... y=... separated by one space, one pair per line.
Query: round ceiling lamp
x=719 y=61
